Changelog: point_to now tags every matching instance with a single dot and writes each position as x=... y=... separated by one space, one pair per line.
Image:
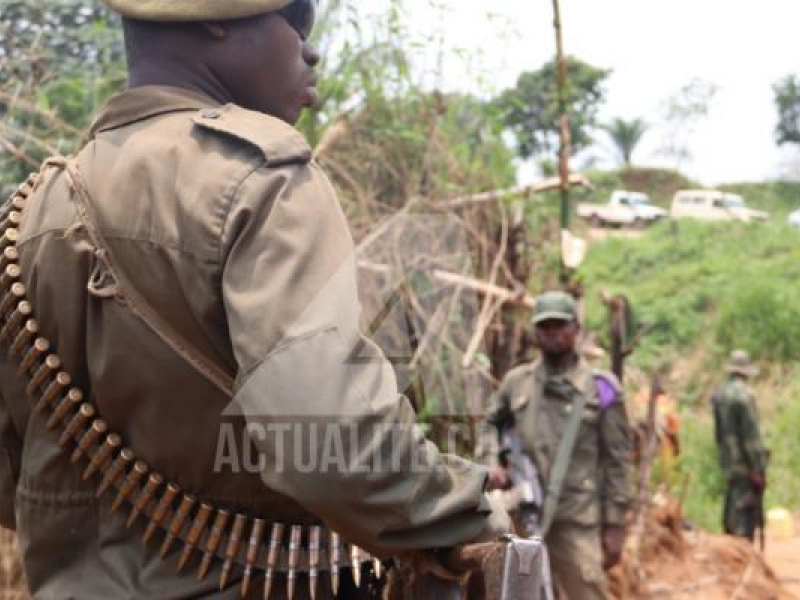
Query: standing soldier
x=187 y=276
x=741 y=454
x=571 y=422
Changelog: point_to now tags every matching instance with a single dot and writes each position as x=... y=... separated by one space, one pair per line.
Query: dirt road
x=783 y=556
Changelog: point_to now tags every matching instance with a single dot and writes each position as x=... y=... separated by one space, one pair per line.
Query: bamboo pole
x=563 y=158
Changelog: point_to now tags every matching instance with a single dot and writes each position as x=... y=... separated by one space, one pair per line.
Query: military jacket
x=538 y=404
x=736 y=427
x=234 y=235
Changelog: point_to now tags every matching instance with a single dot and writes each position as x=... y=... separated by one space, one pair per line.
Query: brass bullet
x=17 y=200
x=24 y=337
x=9 y=238
x=20 y=314
x=53 y=391
x=77 y=423
x=12 y=218
x=89 y=439
x=355 y=563
x=198 y=526
x=24 y=189
x=98 y=459
x=313 y=559
x=253 y=545
x=139 y=470
x=160 y=512
x=335 y=551
x=10 y=275
x=45 y=371
x=36 y=351
x=71 y=401
x=273 y=556
x=213 y=541
x=11 y=297
x=9 y=256
x=232 y=550
x=176 y=525
x=116 y=470
x=294 y=554
x=144 y=498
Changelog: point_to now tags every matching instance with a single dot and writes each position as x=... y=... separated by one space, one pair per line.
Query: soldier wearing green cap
x=584 y=486
x=192 y=278
x=742 y=456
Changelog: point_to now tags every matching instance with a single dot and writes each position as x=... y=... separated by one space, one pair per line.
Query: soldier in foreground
x=178 y=315
x=582 y=475
x=741 y=453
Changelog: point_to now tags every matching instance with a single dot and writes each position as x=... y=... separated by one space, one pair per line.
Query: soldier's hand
x=757 y=481
x=613 y=543
x=498 y=479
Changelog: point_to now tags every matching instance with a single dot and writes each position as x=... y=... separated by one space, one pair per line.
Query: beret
x=193 y=10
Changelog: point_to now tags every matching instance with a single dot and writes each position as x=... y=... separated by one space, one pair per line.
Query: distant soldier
x=741 y=454
x=570 y=421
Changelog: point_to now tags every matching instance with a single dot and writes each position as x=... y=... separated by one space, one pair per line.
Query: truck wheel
x=595 y=221
x=639 y=223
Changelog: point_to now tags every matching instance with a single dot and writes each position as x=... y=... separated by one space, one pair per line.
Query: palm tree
x=626 y=135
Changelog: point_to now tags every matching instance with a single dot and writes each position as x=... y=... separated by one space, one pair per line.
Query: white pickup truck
x=624 y=208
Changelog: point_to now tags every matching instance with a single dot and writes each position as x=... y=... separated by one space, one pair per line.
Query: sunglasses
x=300 y=15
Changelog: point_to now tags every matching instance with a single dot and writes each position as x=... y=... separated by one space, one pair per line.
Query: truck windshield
x=639 y=200
x=733 y=202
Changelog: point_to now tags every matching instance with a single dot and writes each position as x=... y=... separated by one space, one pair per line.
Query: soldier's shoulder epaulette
x=279 y=142
x=609 y=389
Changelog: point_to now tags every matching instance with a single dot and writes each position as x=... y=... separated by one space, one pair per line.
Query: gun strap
x=559 y=469
x=127 y=292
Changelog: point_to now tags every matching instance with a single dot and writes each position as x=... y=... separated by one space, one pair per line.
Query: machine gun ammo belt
x=253 y=546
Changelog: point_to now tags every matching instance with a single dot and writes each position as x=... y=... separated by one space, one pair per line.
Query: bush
x=763 y=320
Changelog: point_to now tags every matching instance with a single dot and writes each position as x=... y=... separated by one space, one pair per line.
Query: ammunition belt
x=249 y=544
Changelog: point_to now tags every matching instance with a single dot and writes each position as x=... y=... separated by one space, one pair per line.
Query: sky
x=654 y=47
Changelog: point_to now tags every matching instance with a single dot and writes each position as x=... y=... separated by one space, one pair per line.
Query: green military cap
x=193 y=10
x=555 y=305
x=739 y=363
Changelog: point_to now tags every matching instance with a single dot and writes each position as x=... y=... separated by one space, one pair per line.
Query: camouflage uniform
x=741 y=452
x=595 y=493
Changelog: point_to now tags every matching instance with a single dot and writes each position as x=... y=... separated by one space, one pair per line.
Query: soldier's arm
x=10 y=451
x=310 y=384
x=616 y=447
x=749 y=436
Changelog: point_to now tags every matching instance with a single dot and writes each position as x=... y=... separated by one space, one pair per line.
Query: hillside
x=705 y=289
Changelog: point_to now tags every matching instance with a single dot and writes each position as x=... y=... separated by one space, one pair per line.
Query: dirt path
x=784 y=558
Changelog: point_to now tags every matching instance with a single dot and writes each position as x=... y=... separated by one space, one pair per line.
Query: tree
x=59 y=61
x=787 y=101
x=682 y=113
x=626 y=135
x=530 y=109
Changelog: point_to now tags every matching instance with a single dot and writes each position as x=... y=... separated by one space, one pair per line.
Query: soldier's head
x=556 y=325
x=255 y=53
x=739 y=365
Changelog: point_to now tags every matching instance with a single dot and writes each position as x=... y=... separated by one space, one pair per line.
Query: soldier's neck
x=195 y=78
x=560 y=363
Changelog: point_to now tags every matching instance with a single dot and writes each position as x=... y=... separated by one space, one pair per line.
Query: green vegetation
x=706 y=288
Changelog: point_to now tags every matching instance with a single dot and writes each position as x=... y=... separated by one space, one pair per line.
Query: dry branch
x=506 y=296
x=553 y=183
